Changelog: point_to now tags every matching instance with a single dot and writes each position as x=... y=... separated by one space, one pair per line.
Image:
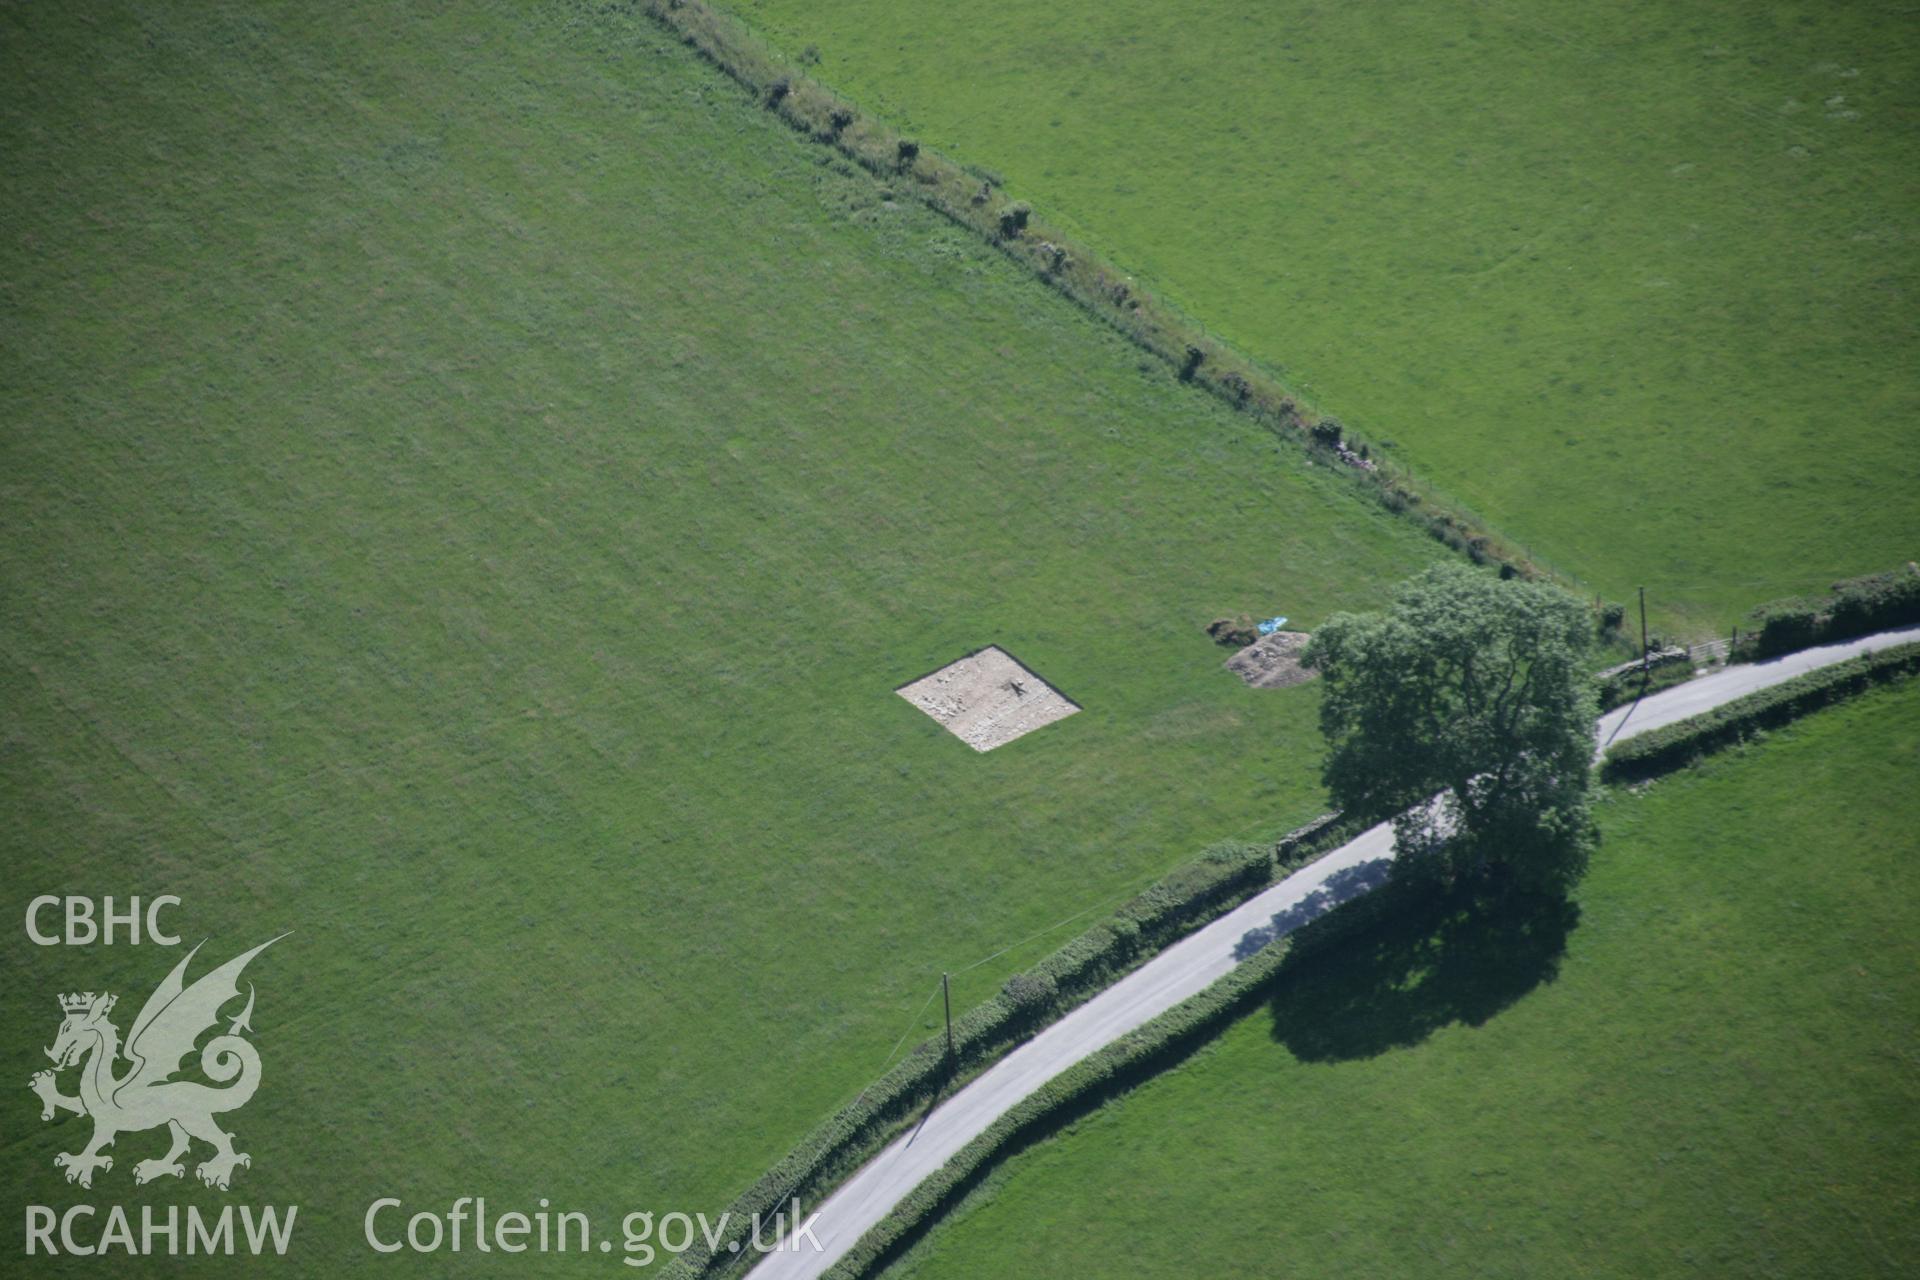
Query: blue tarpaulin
x=1271 y=625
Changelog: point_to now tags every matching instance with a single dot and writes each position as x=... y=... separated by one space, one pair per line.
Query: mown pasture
x=1705 y=1069
x=1635 y=282
x=471 y=483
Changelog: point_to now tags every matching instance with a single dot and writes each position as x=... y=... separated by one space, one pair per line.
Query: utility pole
x=946 y=996
x=1645 y=666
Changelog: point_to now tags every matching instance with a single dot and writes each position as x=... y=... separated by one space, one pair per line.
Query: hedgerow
x=1171 y=1036
x=974 y=198
x=1193 y=894
x=1663 y=672
x=1671 y=746
x=1109 y=1071
x=1140 y=1054
x=1853 y=607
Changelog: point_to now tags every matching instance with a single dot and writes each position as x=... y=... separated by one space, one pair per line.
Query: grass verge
x=471 y=483
x=1632 y=283
x=973 y=198
x=1702 y=1069
x=1670 y=746
x=1191 y=896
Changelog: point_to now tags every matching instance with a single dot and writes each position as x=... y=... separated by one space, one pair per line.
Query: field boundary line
x=1157 y=1015
x=1143 y=924
x=974 y=199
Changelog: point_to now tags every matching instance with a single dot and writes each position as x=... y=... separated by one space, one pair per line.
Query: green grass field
x=1636 y=282
x=471 y=482
x=1719 y=1081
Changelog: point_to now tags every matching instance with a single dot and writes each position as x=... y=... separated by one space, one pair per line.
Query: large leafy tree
x=1461 y=710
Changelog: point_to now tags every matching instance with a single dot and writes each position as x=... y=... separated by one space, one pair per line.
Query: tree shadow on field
x=1452 y=957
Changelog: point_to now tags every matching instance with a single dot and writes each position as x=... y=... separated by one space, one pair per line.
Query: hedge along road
x=1708 y=692
x=1191 y=965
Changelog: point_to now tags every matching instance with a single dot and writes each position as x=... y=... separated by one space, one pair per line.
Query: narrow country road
x=1708 y=692
x=1189 y=966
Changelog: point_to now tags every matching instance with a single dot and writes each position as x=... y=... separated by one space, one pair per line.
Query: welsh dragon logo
x=146 y=1095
